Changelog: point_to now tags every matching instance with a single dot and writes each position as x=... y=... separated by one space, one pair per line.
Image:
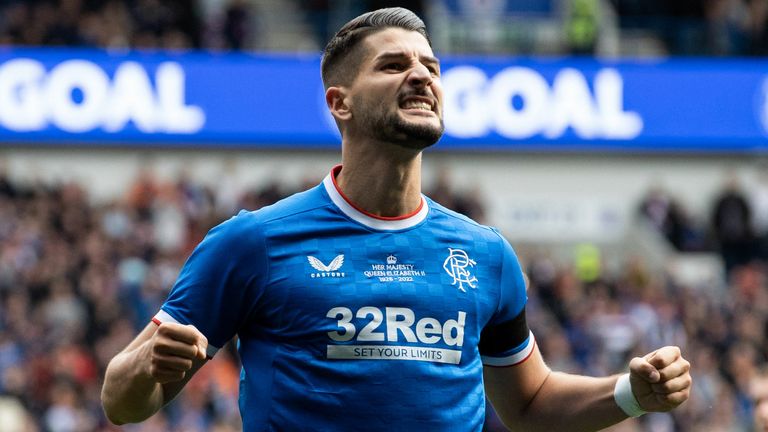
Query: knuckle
x=677 y=398
x=159 y=343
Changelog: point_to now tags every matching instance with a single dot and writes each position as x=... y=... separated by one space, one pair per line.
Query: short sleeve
x=506 y=339
x=220 y=283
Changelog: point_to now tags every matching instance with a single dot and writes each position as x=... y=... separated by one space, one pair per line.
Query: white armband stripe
x=164 y=317
x=513 y=359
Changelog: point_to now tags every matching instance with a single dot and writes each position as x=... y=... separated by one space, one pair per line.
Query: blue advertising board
x=61 y=96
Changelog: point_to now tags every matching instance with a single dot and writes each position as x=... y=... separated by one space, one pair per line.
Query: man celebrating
x=361 y=303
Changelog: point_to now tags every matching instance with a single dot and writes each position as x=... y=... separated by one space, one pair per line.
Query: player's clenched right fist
x=171 y=351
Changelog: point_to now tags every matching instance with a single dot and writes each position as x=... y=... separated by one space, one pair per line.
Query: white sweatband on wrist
x=625 y=399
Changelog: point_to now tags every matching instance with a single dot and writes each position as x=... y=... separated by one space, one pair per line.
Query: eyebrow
x=400 y=54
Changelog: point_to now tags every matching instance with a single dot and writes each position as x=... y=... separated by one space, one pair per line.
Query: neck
x=381 y=178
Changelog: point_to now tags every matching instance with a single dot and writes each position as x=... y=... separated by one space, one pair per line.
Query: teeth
x=417 y=105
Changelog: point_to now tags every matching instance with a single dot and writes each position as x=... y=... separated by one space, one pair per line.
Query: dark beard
x=390 y=127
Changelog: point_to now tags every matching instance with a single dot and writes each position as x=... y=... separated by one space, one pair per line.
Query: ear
x=336 y=99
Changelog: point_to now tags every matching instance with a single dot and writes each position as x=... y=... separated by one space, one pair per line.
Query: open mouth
x=418 y=105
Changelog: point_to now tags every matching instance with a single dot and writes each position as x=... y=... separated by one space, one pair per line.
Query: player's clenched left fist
x=660 y=380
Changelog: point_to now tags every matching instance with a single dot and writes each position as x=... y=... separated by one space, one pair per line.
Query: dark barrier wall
x=58 y=96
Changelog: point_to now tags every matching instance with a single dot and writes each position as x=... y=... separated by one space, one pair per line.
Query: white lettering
x=368 y=332
x=403 y=325
x=763 y=105
x=518 y=103
x=177 y=116
x=64 y=79
x=452 y=325
x=531 y=88
x=399 y=321
x=21 y=99
x=78 y=96
x=466 y=114
x=427 y=327
x=614 y=121
x=571 y=106
x=132 y=99
x=344 y=317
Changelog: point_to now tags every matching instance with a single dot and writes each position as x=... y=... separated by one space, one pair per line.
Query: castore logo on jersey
x=324 y=271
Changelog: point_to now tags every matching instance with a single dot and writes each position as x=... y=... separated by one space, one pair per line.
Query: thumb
x=640 y=367
x=201 y=344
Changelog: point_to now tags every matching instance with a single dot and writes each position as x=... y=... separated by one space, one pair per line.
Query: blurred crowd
x=701 y=27
x=690 y=27
x=122 y=24
x=78 y=280
x=736 y=226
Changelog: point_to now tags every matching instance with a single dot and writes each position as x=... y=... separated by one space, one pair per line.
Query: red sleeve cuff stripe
x=514 y=359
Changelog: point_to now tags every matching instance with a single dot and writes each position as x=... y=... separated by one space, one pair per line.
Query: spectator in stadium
x=258 y=275
x=732 y=225
x=665 y=215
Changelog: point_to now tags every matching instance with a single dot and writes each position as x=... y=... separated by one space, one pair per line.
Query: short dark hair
x=342 y=56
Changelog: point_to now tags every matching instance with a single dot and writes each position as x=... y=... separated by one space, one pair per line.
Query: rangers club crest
x=456 y=266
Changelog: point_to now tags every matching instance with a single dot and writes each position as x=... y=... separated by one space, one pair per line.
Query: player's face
x=397 y=96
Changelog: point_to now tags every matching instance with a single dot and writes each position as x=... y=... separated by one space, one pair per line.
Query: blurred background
x=621 y=146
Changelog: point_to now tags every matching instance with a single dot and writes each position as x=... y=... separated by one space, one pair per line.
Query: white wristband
x=625 y=399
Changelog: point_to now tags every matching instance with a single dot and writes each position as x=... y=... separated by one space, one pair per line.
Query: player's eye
x=394 y=66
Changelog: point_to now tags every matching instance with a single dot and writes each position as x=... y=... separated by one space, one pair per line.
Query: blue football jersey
x=348 y=322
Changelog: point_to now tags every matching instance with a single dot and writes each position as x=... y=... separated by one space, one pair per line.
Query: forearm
x=130 y=394
x=571 y=403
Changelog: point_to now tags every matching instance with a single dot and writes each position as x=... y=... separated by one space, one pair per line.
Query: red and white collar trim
x=370 y=220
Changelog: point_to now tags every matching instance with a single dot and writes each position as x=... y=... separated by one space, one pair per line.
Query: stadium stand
x=719 y=27
x=77 y=280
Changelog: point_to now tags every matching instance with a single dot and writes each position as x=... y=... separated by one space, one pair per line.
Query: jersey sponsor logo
x=426 y=339
x=456 y=266
x=393 y=271
x=330 y=270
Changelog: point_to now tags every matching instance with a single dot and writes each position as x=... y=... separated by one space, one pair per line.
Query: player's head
x=381 y=78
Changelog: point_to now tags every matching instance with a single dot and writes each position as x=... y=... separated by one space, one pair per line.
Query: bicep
x=511 y=389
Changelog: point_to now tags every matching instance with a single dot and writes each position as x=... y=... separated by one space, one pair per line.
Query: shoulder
x=296 y=204
x=248 y=225
x=464 y=223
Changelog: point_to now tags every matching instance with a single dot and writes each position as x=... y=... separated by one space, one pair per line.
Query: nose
x=420 y=76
